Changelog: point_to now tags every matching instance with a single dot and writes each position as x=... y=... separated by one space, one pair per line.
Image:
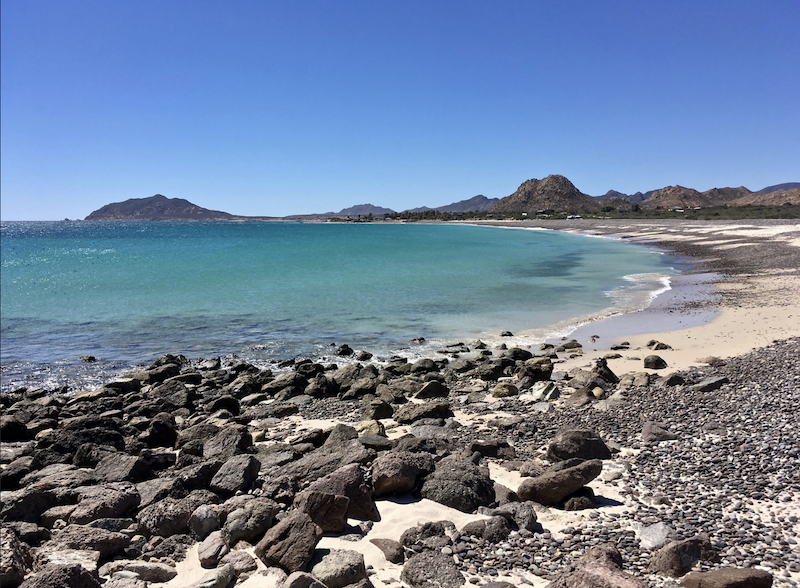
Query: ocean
x=128 y=292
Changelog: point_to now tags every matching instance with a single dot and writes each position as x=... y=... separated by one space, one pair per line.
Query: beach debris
x=654 y=362
x=624 y=346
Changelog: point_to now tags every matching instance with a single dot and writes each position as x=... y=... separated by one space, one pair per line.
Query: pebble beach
x=676 y=425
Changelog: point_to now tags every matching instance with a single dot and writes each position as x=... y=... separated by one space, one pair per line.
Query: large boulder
x=290 y=544
x=397 y=472
x=552 y=487
x=61 y=575
x=15 y=558
x=459 y=484
x=430 y=569
x=170 y=516
x=106 y=501
x=728 y=578
x=119 y=467
x=337 y=568
x=600 y=567
x=230 y=441
x=326 y=509
x=349 y=481
x=678 y=557
x=237 y=473
x=326 y=460
x=250 y=521
x=83 y=537
x=411 y=412
x=569 y=443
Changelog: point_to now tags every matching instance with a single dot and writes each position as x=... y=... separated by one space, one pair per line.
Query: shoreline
x=725 y=271
x=741 y=292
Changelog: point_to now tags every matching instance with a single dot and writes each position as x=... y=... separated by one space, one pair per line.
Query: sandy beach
x=740 y=295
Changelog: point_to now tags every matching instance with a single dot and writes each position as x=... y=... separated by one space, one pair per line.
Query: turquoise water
x=127 y=292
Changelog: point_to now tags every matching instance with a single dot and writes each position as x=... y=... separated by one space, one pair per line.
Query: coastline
x=741 y=292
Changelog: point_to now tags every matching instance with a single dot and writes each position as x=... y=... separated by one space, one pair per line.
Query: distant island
x=553 y=195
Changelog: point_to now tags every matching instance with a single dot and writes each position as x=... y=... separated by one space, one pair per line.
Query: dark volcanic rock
x=678 y=558
x=459 y=484
x=654 y=362
x=119 y=467
x=350 y=481
x=108 y=543
x=581 y=443
x=601 y=567
x=326 y=460
x=409 y=413
x=326 y=509
x=249 y=522
x=16 y=558
x=728 y=578
x=61 y=575
x=105 y=501
x=237 y=473
x=230 y=441
x=290 y=544
x=396 y=472
x=170 y=516
x=392 y=550
x=554 y=486
x=431 y=570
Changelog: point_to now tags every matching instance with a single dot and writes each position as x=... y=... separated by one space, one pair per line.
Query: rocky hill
x=553 y=192
x=362 y=210
x=680 y=197
x=776 y=198
x=779 y=187
x=477 y=203
x=157 y=207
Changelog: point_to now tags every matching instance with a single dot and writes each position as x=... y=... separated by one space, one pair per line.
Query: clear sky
x=259 y=107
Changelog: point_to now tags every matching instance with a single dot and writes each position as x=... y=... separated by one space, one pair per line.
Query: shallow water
x=127 y=292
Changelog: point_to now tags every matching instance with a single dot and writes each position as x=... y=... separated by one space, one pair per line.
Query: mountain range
x=552 y=193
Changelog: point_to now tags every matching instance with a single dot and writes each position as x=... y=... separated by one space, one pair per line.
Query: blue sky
x=275 y=108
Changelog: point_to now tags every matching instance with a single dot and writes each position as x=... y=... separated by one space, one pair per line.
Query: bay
x=127 y=292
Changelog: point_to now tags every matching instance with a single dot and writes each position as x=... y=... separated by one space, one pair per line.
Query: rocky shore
x=599 y=462
x=629 y=482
